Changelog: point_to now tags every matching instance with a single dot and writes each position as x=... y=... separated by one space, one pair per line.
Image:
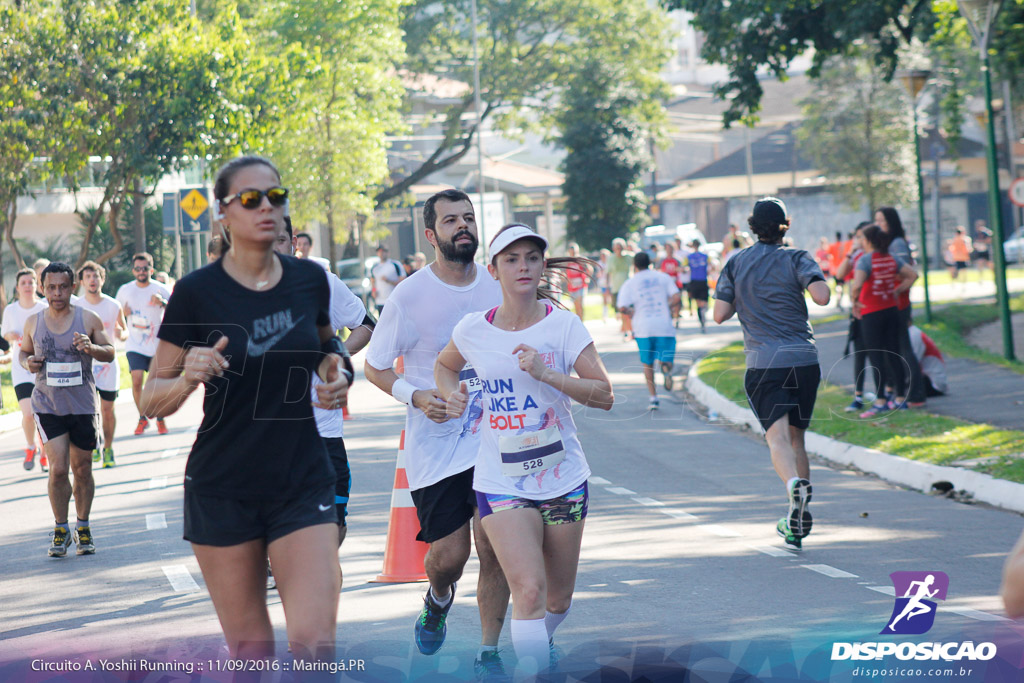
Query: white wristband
x=402 y=391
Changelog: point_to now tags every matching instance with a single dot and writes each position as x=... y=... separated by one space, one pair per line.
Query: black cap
x=770 y=210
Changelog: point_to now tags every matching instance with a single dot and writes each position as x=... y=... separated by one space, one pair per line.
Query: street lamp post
x=986 y=11
x=915 y=81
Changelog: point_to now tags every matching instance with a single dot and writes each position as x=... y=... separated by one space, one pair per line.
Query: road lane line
x=678 y=514
x=829 y=571
x=157 y=520
x=718 y=530
x=768 y=550
x=621 y=491
x=181 y=580
x=884 y=590
x=170 y=453
x=974 y=614
x=158 y=482
x=649 y=502
x=601 y=481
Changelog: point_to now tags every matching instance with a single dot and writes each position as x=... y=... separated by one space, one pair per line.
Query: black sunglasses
x=251 y=199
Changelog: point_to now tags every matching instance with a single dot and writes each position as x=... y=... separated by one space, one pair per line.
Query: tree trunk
x=10 y=216
x=138 y=216
x=112 y=218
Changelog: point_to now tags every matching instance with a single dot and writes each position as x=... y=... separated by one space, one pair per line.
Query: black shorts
x=445 y=506
x=217 y=521
x=343 y=480
x=107 y=395
x=24 y=390
x=697 y=289
x=137 y=361
x=961 y=265
x=774 y=392
x=81 y=429
x=982 y=255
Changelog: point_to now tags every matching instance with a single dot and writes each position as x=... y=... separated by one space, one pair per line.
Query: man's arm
x=820 y=292
x=723 y=311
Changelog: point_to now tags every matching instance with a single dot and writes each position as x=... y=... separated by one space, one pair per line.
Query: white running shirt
x=346 y=311
x=390 y=268
x=14 y=321
x=516 y=406
x=143 y=317
x=648 y=292
x=416 y=324
x=107 y=375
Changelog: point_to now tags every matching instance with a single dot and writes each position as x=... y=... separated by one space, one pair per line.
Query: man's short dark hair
x=430 y=213
x=642 y=260
x=93 y=266
x=143 y=256
x=58 y=267
x=304 y=234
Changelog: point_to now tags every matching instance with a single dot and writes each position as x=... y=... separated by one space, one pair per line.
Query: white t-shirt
x=416 y=324
x=525 y=420
x=390 y=268
x=346 y=311
x=648 y=292
x=108 y=375
x=14 y=321
x=143 y=316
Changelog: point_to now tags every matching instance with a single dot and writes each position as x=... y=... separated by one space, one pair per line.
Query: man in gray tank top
x=59 y=345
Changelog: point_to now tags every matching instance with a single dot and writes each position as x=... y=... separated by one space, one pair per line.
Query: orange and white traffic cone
x=403 y=554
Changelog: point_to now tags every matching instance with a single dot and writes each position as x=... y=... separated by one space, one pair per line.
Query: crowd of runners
x=492 y=363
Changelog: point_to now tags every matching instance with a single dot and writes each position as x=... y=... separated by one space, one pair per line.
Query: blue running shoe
x=430 y=625
x=489 y=668
x=855 y=406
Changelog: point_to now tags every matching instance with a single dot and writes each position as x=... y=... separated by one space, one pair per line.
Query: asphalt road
x=680 y=566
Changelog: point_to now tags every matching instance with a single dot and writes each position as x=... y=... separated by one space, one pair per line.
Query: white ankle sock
x=552 y=621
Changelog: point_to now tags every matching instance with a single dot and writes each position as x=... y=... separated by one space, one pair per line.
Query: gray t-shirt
x=765 y=283
x=901 y=250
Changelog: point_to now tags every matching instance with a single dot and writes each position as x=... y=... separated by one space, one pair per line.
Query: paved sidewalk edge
x=983 y=488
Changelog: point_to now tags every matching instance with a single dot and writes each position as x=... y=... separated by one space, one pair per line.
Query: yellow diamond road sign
x=194 y=204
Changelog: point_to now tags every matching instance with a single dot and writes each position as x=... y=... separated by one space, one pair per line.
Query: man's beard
x=459 y=253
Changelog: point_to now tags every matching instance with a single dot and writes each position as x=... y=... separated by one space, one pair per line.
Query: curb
x=983 y=488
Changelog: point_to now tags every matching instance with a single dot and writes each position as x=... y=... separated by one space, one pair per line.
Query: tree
x=529 y=51
x=750 y=37
x=856 y=131
x=604 y=138
x=332 y=148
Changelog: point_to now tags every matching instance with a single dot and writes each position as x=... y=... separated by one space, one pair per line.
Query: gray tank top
x=65 y=385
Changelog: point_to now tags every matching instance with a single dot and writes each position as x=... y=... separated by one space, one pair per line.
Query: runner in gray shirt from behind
x=764 y=284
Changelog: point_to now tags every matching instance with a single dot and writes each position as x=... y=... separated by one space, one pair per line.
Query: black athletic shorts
x=961 y=265
x=108 y=395
x=137 y=361
x=697 y=289
x=213 y=520
x=343 y=480
x=444 y=507
x=24 y=390
x=774 y=392
x=81 y=429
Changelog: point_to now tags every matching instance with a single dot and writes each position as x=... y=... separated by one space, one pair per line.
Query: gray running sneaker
x=83 y=539
x=61 y=541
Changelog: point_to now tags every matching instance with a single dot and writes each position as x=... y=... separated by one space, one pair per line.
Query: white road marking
x=829 y=571
x=678 y=514
x=621 y=491
x=649 y=502
x=601 y=481
x=718 y=530
x=885 y=590
x=974 y=614
x=181 y=580
x=769 y=550
x=158 y=482
x=157 y=520
x=170 y=453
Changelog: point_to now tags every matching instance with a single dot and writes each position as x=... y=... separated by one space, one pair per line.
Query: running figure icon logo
x=914 y=611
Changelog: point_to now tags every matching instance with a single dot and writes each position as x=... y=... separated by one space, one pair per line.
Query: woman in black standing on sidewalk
x=889 y=221
x=879 y=278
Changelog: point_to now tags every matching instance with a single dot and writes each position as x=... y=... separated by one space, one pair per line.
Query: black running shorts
x=444 y=507
x=343 y=480
x=108 y=395
x=24 y=390
x=217 y=521
x=697 y=289
x=137 y=361
x=774 y=392
x=81 y=429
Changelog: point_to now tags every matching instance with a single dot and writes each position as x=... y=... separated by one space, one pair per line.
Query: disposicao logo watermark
x=914 y=614
x=916 y=593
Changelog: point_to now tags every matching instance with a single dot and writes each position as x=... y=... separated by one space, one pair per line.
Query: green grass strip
x=913 y=434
